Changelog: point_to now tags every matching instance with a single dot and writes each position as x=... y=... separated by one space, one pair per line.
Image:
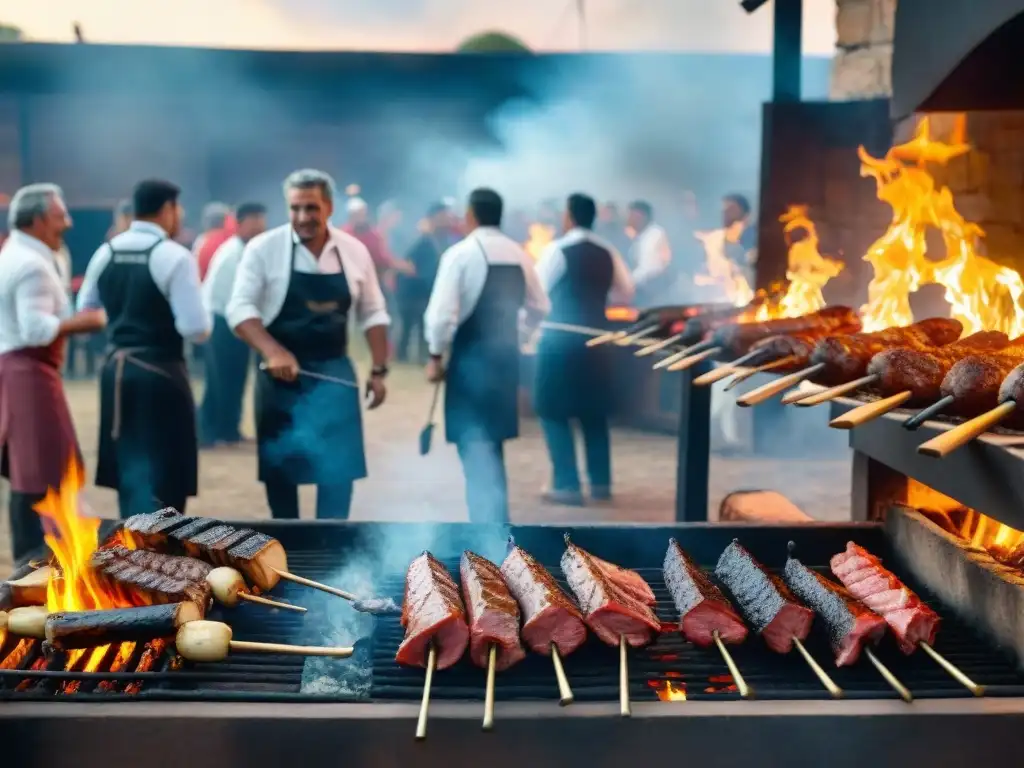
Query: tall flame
x=540 y=236
x=982 y=295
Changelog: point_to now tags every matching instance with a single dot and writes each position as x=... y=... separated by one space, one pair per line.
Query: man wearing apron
x=37 y=437
x=473 y=315
x=149 y=286
x=654 y=273
x=574 y=382
x=291 y=300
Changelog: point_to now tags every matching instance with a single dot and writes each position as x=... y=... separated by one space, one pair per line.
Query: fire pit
x=265 y=710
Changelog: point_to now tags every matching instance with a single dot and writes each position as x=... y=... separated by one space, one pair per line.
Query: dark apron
x=573 y=381
x=310 y=432
x=481 y=396
x=147 y=441
x=37 y=435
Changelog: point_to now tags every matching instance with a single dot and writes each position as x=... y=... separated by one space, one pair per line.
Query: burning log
x=29 y=589
x=89 y=629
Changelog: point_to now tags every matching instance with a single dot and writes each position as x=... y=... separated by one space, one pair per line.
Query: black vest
x=580 y=296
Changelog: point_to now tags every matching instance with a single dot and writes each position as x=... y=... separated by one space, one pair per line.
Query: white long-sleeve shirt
x=33 y=300
x=220 y=278
x=651 y=253
x=551 y=264
x=264 y=272
x=174 y=271
x=460 y=282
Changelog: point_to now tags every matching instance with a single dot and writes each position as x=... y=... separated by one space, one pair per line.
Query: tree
x=492 y=42
x=9 y=33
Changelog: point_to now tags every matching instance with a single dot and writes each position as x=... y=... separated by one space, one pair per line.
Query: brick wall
x=862 y=66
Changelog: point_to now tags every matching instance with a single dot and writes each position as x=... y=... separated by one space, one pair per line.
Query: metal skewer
x=741 y=684
x=421 y=723
x=321 y=377
x=565 y=696
x=772 y=388
x=890 y=678
x=835 y=691
x=492 y=659
x=869 y=411
x=657 y=346
x=742 y=376
x=624 y=708
x=925 y=414
x=954 y=672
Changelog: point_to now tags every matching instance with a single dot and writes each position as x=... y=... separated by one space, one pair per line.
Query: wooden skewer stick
x=271 y=603
x=772 y=388
x=316 y=585
x=582 y=330
x=633 y=338
x=565 y=695
x=605 y=338
x=657 y=346
x=958 y=437
x=869 y=411
x=206 y=641
x=833 y=689
x=742 y=376
x=954 y=672
x=229 y=588
x=683 y=353
x=492 y=659
x=624 y=708
x=890 y=678
x=925 y=414
x=692 y=360
x=741 y=684
x=717 y=374
x=796 y=396
x=831 y=394
x=421 y=723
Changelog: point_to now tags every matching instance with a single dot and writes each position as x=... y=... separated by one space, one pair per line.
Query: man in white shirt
x=482 y=284
x=291 y=300
x=652 y=255
x=37 y=436
x=227 y=358
x=579 y=272
x=149 y=286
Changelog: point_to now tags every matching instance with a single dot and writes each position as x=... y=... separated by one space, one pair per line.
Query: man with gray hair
x=213 y=217
x=291 y=299
x=37 y=436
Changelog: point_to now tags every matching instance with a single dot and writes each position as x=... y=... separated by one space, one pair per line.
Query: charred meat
x=88 y=629
x=144 y=578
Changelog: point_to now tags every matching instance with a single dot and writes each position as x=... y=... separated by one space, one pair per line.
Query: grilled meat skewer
x=492 y=612
x=610 y=608
x=549 y=617
x=88 y=629
x=765 y=601
x=703 y=609
x=850 y=624
x=432 y=614
x=144 y=578
x=738 y=338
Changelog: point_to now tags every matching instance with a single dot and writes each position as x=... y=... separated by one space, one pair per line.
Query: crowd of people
x=462 y=288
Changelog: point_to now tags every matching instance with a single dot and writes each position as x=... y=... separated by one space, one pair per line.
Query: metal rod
x=890 y=678
x=830 y=686
x=492 y=660
x=565 y=695
x=953 y=671
x=741 y=684
x=321 y=377
x=925 y=414
x=624 y=708
x=657 y=346
x=421 y=722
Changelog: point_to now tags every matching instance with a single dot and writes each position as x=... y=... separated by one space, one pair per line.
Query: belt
x=121 y=357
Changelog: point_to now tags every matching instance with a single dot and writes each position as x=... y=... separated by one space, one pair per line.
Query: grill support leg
x=694 y=446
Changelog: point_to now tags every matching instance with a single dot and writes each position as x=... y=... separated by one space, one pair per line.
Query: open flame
x=721 y=270
x=540 y=236
x=73 y=538
x=982 y=295
x=666 y=690
x=1004 y=543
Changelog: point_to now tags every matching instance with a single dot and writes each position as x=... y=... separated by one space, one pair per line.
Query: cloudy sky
x=426 y=25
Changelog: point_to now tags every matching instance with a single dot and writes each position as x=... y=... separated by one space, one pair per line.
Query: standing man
x=293 y=292
x=573 y=381
x=473 y=316
x=740 y=235
x=213 y=221
x=149 y=286
x=413 y=291
x=227 y=357
x=37 y=437
x=651 y=255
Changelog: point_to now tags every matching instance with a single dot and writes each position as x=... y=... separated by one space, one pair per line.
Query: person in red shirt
x=207 y=244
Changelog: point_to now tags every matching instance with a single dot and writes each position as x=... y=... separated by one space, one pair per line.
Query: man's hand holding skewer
x=435 y=369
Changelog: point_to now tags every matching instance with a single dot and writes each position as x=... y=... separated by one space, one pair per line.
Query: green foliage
x=492 y=42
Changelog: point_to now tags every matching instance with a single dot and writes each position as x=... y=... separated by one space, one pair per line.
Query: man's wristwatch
x=379 y=371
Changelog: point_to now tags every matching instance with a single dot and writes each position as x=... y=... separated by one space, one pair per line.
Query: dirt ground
x=402 y=485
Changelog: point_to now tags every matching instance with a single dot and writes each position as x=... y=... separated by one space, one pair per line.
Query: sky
x=417 y=25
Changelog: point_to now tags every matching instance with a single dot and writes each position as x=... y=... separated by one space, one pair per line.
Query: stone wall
x=862 y=67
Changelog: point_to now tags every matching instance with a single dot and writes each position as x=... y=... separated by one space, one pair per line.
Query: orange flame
x=667 y=691
x=982 y=295
x=540 y=236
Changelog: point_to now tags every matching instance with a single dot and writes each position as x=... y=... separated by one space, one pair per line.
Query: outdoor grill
x=266 y=710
